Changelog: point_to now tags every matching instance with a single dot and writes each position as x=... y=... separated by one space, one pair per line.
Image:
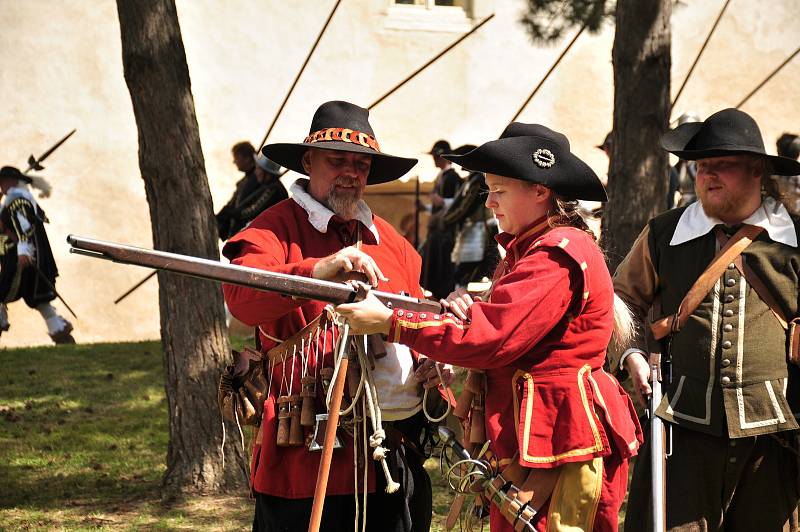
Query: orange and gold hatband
x=344 y=135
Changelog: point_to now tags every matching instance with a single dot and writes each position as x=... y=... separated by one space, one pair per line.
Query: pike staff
x=700 y=53
x=771 y=75
x=36 y=163
x=299 y=73
x=547 y=74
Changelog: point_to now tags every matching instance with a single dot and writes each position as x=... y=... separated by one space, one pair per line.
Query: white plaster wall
x=60 y=67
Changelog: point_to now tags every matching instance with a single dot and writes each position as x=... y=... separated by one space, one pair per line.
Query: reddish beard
x=722 y=206
x=344 y=201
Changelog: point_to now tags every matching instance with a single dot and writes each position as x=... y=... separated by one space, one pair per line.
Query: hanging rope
x=447 y=391
x=378 y=434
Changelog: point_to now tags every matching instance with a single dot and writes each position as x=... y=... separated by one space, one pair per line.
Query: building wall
x=60 y=68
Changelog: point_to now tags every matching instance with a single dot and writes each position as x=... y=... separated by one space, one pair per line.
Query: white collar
x=319 y=215
x=20 y=191
x=694 y=223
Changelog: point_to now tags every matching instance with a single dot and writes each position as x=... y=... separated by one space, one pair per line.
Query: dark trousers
x=718 y=483
x=407 y=510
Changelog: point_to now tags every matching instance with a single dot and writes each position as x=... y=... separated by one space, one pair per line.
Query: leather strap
x=758 y=285
x=727 y=254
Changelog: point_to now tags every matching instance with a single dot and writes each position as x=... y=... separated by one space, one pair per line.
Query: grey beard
x=344 y=205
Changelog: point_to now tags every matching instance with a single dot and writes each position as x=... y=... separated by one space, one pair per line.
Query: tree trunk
x=639 y=172
x=193 y=331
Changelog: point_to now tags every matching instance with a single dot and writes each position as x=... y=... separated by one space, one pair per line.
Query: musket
x=285 y=284
x=213 y=270
x=36 y=164
x=658 y=454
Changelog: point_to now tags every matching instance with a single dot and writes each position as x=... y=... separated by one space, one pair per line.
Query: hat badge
x=544 y=158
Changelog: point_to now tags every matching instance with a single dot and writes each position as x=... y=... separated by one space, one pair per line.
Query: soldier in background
x=475 y=254
x=682 y=175
x=27 y=268
x=258 y=190
x=437 y=266
x=789 y=146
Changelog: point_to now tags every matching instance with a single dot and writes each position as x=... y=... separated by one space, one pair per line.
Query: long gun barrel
x=658 y=450
x=281 y=283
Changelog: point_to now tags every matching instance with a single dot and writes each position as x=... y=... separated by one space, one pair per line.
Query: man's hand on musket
x=458 y=303
x=351 y=259
x=639 y=370
x=426 y=373
x=368 y=316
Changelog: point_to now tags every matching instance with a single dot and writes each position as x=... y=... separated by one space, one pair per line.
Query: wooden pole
x=330 y=437
x=702 y=49
x=429 y=63
x=297 y=77
x=547 y=75
x=752 y=92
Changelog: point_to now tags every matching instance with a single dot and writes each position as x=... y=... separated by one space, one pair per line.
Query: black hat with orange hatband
x=341 y=126
x=535 y=153
x=727 y=132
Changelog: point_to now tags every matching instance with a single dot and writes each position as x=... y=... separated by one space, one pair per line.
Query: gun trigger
x=362 y=289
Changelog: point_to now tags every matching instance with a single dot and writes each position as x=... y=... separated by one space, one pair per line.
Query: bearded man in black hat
x=732 y=397
x=326 y=231
x=27 y=268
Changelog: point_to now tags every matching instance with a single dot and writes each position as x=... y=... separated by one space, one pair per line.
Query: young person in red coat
x=315 y=234
x=541 y=335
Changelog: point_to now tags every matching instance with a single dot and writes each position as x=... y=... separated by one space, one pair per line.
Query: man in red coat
x=324 y=231
x=540 y=338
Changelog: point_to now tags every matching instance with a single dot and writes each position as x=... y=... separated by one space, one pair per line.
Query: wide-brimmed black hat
x=535 y=153
x=727 y=132
x=341 y=126
x=440 y=147
x=10 y=172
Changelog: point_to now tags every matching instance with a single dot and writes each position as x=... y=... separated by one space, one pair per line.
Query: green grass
x=83 y=442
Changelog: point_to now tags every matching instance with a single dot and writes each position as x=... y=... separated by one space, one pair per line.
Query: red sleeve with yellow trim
x=526 y=304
